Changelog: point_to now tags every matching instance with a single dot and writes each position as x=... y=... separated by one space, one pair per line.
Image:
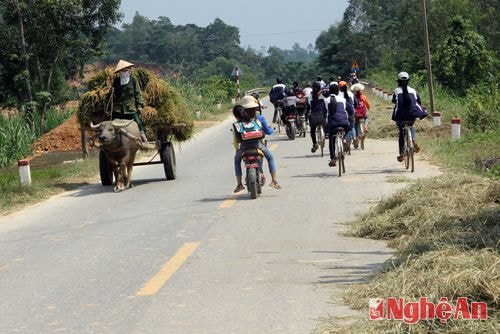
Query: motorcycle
x=253 y=162
x=301 y=106
x=290 y=116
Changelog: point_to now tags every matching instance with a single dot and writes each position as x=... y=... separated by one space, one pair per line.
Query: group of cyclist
x=331 y=106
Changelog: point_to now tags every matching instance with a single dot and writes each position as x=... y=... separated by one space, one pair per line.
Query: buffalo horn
x=94 y=127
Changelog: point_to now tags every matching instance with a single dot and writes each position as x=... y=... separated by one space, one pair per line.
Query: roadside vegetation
x=47 y=181
x=17 y=137
x=445 y=232
x=444 y=229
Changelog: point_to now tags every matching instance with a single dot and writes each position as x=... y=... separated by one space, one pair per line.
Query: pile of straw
x=446 y=234
x=164 y=105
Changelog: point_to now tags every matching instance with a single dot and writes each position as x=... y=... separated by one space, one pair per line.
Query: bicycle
x=320 y=138
x=279 y=112
x=338 y=134
x=408 y=148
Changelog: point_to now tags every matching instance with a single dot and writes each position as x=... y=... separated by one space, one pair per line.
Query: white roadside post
x=24 y=172
x=237 y=72
x=436 y=118
x=455 y=128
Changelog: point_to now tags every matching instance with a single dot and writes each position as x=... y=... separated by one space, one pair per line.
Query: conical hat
x=248 y=102
x=357 y=87
x=122 y=64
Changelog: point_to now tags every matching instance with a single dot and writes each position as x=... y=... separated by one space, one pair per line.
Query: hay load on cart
x=165 y=116
x=164 y=106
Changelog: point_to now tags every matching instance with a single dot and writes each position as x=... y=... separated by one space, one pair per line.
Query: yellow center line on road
x=273 y=147
x=230 y=201
x=168 y=269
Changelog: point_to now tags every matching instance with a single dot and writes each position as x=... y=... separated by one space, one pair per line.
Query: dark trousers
x=314 y=126
x=401 y=125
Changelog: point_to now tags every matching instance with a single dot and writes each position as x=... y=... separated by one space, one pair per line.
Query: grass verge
x=476 y=152
x=51 y=180
x=446 y=234
x=46 y=182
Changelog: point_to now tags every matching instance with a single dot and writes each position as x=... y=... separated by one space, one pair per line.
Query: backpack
x=278 y=93
x=252 y=130
x=360 y=110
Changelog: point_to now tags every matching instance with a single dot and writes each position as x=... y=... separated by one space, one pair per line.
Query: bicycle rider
x=277 y=95
x=317 y=114
x=339 y=111
x=350 y=136
x=407 y=108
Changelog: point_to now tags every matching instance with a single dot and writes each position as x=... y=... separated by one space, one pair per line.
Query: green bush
x=217 y=89
x=17 y=138
x=482 y=113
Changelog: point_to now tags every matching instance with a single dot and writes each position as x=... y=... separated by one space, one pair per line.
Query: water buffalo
x=120 y=140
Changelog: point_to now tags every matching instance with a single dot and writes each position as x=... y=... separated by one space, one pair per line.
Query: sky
x=262 y=23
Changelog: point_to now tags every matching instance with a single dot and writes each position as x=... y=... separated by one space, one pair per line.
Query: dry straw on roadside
x=164 y=106
x=446 y=232
x=453 y=209
x=449 y=273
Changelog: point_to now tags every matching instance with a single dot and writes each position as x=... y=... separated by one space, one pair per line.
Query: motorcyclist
x=289 y=106
x=245 y=113
x=353 y=79
x=300 y=103
x=322 y=83
x=296 y=88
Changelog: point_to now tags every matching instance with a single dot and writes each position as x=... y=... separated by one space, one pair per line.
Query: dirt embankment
x=66 y=137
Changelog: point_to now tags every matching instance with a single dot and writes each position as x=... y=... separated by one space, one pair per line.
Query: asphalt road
x=186 y=256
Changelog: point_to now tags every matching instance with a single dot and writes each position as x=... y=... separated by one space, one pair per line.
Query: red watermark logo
x=412 y=312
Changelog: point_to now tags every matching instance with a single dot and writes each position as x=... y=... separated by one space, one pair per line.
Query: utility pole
x=428 y=57
x=237 y=72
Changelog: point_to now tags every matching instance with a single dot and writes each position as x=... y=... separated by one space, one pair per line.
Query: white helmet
x=403 y=76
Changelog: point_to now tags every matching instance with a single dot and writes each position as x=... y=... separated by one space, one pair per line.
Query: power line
x=243 y=36
x=283 y=33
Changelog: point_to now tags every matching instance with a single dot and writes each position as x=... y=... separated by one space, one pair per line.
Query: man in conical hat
x=127 y=97
x=123 y=65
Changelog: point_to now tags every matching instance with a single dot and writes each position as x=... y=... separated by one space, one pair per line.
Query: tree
x=50 y=41
x=220 y=39
x=462 y=59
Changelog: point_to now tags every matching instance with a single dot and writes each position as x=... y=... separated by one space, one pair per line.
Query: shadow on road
x=319 y=175
x=85 y=189
x=217 y=199
x=146 y=181
x=347 y=252
x=379 y=171
x=89 y=190
x=302 y=156
x=354 y=274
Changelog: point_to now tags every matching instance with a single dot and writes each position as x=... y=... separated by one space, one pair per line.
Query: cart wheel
x=167 y=155
x=105 y=169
